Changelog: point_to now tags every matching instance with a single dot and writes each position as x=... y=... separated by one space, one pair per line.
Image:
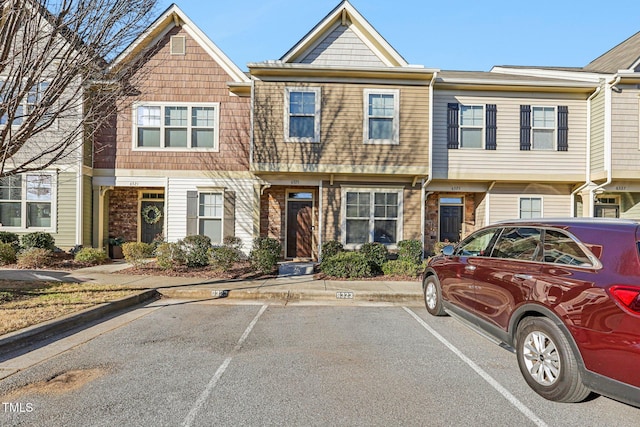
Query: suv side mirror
x=448 y=250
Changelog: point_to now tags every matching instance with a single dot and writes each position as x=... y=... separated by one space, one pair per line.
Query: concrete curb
x=15 y=340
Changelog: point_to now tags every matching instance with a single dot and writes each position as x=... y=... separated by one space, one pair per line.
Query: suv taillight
x=628 y=297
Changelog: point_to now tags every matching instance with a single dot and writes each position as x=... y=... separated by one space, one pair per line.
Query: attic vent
x=178 y=45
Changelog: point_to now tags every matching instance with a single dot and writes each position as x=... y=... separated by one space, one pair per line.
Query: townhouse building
x=175 y=159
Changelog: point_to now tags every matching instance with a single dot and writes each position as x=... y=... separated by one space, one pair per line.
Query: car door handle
x=469 y=267
x=523 y=276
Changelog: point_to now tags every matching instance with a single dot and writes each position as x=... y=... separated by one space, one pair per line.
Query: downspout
x=587 y=178
x=425 y=183
x=607 y=145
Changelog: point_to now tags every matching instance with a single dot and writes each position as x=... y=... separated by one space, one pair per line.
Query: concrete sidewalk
x=289 y=288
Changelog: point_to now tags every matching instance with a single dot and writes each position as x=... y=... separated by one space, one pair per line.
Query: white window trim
x=554 y=138
x=520 y=198
x=396 y=116
x=188 y=148
x=23 y=206
x=24 y=103
x=317 y=112
x=370 y=190
x=482 y=128
x=221 y=218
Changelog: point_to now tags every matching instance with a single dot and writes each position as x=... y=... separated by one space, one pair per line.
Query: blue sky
x=460 y=35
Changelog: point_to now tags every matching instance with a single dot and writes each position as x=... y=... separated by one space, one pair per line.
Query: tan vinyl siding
x=65 y=236
x=341 y=136
x=597 y=133
x=505 y=200
x=508 y=161
x=625 y=144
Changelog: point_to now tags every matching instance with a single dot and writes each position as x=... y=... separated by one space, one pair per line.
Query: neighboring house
x=340 y=139
x=57 y=198
x=504 y=146
x=175 y=161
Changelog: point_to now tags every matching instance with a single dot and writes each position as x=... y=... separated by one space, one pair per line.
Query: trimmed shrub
x=349 y=265
x=12 y=238
x=170 y=255
x=7 y=253
x=91 y=256
x=38 y=239
x=34 y=258
x=331 y=248
x=223 y=257
x=234 y=243
x=402 y=267
x=196 y=250
x=265 y=254
x=376 y=253
x=136 y=252
x=410 y=250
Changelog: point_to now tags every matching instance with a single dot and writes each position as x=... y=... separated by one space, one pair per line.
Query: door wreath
x=151 y=214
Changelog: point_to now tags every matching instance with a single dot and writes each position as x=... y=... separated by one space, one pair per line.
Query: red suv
x=565 y=294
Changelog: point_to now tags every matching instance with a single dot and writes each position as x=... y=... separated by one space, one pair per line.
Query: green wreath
x=157 y=214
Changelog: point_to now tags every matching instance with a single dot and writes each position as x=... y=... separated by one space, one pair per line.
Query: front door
x=151 y=220
x=450 y=223
x=299 y=226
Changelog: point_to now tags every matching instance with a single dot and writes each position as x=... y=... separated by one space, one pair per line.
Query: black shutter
x=229 y=224
x=452 y=125
x=192 y=213
x=563 y=128
x=490 y=137
x=525 y=127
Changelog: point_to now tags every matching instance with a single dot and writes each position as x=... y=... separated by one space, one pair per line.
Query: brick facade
x=432 y=222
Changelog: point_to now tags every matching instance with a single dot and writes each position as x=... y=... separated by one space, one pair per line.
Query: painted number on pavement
x=344 y=295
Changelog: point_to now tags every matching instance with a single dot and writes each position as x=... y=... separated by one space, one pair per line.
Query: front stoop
x=290 y=269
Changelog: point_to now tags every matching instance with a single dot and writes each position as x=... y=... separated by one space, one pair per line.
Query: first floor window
x=26 y=201
x=372 y=216
x=210 y=215
x=530 y=207
x=179 y=127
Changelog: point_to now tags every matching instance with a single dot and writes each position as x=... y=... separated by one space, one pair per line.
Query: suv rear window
x=562 y=249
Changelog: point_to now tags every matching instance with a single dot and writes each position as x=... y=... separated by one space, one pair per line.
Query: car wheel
x=433 y=296
x=547 y=361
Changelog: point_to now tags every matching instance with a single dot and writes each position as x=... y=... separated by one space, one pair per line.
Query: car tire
x=547 y=362
x=433 y=296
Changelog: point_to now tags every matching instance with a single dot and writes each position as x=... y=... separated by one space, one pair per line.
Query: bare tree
x=53 y=89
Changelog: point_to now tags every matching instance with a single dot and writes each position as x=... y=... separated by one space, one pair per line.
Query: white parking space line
x=495 y=384
x=191 y=416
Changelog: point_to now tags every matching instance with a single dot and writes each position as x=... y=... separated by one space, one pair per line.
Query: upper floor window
x=302 y=115
x=176 y=126
x=544 y=128
x=382 y=115
x=27 y=106
x=471 y=126
x=26 y=201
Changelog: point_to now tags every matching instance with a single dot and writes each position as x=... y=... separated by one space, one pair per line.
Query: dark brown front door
x=151 y=220
x=299 y=228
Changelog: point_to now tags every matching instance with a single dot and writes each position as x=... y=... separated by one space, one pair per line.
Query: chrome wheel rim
x=431 y=295
x=541 y=358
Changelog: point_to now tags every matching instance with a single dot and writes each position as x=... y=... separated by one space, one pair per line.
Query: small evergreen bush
x=331 y=248
x=170 y=255
x=38 y=239
x=234 y=243
x=223 y=257
x=91 y=256
x=136 y=252
x=349 y=265
x=11 y=238
x=265 y=254
x=34 y=258
x=401 y=267
x=410 y=250
x=376 y=253
x=196 y=250
x=7 y=253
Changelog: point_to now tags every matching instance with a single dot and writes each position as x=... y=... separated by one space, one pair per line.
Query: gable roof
x=344 y=25
x=172 y=17
x=624 y=56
